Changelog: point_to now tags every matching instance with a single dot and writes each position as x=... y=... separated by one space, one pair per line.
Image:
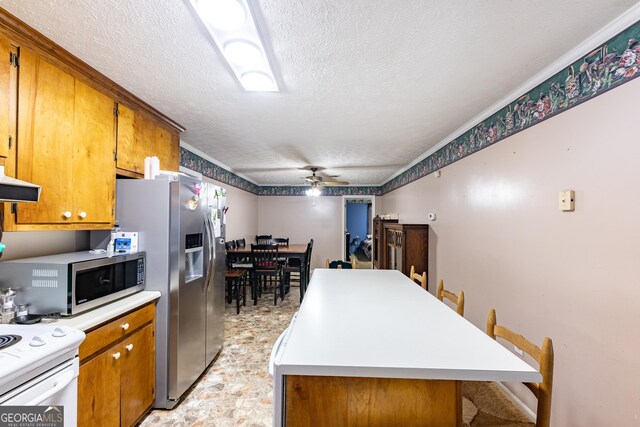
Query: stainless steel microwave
x=72 y=283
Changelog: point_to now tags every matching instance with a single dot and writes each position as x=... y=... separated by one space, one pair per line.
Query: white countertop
x=377 y=323
x=95 y=317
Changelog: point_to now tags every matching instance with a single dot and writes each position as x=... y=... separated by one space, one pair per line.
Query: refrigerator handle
x=209 y=254
x=212 y=247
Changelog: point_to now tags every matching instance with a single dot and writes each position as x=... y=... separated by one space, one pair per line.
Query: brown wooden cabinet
x=66 y=144
x=141 y=136
x=406 y=245
x=116 y=385
x=378 y=240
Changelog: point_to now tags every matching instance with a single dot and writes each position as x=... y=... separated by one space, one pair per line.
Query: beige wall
x=242 y=216
x=573 y=276
x=295 y=217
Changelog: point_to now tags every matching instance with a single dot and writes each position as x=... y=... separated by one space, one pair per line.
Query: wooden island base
x=350 y=401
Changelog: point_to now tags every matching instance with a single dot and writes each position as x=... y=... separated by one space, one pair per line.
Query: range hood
x=14 y=190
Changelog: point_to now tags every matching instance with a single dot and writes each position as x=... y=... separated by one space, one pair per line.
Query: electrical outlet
x=518 y=351
x=432 y=216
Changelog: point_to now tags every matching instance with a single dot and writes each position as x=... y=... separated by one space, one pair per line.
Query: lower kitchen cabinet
x=116 y=386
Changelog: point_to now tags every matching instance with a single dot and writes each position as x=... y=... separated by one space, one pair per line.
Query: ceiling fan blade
x=335 y=183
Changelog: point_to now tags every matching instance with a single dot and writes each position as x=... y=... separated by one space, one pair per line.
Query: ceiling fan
x=316 y=180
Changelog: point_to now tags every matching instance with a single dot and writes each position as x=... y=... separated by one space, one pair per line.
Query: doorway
x=357 y=223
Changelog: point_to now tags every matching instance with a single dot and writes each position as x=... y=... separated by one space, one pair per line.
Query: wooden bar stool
x=420 y=279
x=492 y=406
x=457 y=300
x=234 y=279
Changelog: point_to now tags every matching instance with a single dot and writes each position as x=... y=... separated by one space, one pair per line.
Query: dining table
x=370 y=347
x=293 y=250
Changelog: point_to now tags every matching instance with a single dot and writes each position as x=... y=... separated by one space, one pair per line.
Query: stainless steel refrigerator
x=181 y=224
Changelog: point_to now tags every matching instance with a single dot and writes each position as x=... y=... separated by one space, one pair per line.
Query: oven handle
x=61 y=382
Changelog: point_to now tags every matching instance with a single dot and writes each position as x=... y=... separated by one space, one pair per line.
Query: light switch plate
x=567 y=200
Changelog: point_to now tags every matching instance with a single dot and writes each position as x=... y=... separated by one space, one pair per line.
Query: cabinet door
x=94 y=169
x=131 y=150
x=138 y=375
x=45 y=128
x=166 y=145
x=99 y=390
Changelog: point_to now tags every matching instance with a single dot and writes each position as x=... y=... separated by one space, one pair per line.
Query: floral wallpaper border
x=614 y=63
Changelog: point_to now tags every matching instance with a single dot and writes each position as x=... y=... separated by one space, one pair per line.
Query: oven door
x=57 y=387
x=101 y=281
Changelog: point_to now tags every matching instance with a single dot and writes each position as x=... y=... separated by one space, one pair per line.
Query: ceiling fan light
x=313 y=192
x=243 y=53
x=223 y=14
x=257 y=81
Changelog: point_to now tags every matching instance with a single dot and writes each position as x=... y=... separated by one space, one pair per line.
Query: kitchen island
x=370 y=347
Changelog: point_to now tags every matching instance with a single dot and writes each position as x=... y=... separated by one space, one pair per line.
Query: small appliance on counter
x=74 y=282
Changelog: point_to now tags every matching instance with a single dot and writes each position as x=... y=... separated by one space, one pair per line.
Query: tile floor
x=237 y=389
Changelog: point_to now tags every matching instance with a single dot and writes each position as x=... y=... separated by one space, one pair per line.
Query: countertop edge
x=105 y=313
x=409 y=373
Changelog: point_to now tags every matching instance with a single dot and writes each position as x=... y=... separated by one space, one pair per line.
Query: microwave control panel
x=140 y=277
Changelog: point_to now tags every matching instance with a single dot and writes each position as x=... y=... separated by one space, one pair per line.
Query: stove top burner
x=9 y=340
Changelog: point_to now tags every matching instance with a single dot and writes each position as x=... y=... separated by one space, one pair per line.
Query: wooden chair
x=237 y=263
x=234 y=280
x=240 y=243
x=265 y=264
x=280 y=241
x=297 y=265
x=489 y=394
x=420 y=279
x=457 y=300
x=338 y=264
x=264 y=239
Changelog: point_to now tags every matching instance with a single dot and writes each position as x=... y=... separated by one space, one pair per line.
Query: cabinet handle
x=66 y=214
x=116 y=356
x=82 y=215
x=125 y=326
x=129 y=347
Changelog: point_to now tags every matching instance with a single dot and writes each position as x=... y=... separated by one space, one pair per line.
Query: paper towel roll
x=155 y=167
x=147 y=168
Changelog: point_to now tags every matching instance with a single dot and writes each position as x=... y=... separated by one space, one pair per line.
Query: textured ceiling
x=368 y=86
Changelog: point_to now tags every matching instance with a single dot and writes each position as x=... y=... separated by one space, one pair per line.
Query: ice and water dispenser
x=194 y=257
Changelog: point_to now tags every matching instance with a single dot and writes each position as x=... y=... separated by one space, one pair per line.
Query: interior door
x=5 y=97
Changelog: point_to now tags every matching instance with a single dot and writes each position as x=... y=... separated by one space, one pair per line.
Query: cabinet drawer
x=116 y=329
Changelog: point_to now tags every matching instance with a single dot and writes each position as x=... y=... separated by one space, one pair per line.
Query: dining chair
x=307 y=272
x=263 y=239
x=338 y=264
x=420 y=279
x=297 y=265
x=458 y=300
x=280 y=241
x=265 y=265
x=240 y=243
x=492 y=405
x=242 y=262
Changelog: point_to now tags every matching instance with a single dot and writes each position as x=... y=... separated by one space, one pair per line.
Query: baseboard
x=519 y=403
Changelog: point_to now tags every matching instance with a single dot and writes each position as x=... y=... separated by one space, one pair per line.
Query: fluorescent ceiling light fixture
x=243 y=53
x=257 y=81
x=226 y=15
x=232 y=26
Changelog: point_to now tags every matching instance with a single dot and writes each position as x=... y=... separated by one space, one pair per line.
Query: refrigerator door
x=187 y=317
x=215 y=283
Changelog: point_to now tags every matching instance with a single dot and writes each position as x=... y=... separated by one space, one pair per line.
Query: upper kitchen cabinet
x=141 y=136
x=66 y=144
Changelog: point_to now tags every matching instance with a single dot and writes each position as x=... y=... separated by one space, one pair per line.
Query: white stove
x=39 y=366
